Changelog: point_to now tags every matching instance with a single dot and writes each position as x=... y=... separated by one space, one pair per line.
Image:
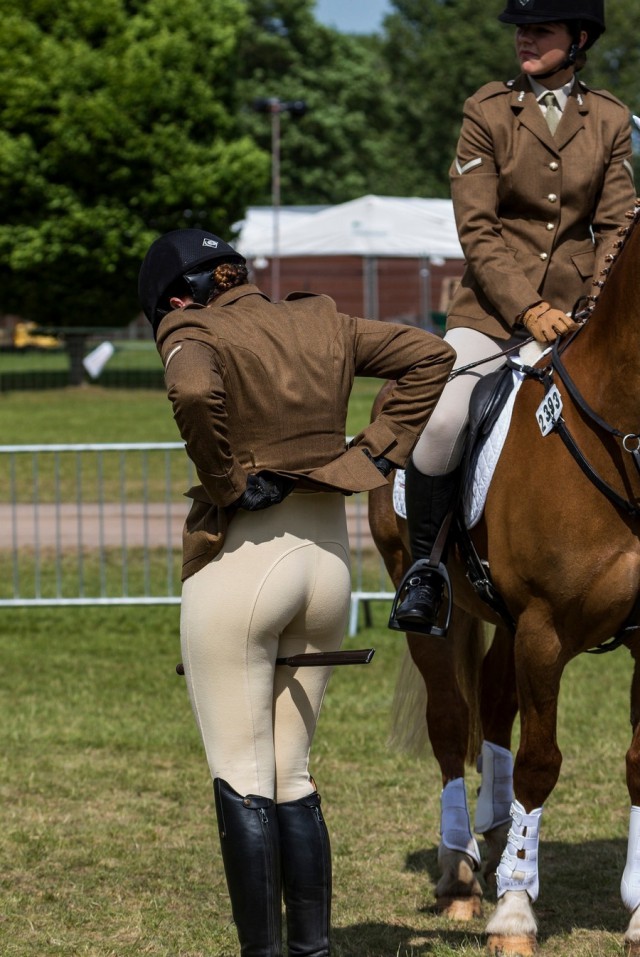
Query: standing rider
x=540 y=184
x=260 y=392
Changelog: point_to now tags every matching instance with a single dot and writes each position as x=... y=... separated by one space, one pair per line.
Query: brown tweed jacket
x=536 y=212
x=262 y=385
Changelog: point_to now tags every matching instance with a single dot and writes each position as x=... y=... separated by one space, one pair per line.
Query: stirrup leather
x=438 y=631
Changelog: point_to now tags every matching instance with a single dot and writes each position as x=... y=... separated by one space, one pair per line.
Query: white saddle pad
x=476 y=495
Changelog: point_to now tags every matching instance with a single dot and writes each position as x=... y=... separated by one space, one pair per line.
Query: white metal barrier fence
x=90 y=524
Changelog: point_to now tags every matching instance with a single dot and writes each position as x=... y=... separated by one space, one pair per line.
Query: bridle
x=629 y=441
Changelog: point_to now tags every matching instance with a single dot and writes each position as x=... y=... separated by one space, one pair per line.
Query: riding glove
x=263 y=490
x=546 y=323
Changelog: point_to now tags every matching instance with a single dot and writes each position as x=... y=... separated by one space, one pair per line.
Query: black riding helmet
x=183 y=256
x=585 y=15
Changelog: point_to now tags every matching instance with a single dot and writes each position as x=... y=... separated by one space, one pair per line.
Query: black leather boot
x=306 y=873
x=428 y=500
x=250 y=841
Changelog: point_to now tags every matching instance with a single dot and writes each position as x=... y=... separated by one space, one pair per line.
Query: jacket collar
x=526 y=109
x=197 y=317
x=233 y=295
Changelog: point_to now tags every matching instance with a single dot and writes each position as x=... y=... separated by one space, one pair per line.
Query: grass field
x=108 y=844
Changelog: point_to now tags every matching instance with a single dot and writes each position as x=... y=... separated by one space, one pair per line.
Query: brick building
x=396 y=259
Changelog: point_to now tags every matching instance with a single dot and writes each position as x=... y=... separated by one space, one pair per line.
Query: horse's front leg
x=498 y=709
x=630 y=885
x=513 y=928
x=458 y=892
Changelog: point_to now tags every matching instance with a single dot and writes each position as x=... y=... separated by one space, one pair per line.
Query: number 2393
x=549 y=410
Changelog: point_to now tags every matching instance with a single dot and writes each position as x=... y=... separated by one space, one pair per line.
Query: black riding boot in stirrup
x=306 y=875
x=250 y=841
x=428 y=500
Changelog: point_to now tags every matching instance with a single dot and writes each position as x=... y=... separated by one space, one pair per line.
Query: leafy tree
x=439 y=53
x=614 y=62
x=118 y=121
x=340 y=148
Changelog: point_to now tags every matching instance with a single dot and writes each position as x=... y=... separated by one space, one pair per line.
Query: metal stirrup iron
x=435 y=566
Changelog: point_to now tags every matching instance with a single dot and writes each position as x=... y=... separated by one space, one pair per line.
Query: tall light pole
x=275 y=108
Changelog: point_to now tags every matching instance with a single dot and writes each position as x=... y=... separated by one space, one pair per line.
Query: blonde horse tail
x=408 y=710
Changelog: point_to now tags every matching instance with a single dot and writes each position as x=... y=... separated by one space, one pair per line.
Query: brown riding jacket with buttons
x=536 y=213
x=259 y=385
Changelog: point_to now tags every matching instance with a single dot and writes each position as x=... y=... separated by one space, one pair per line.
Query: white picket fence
x=101 y=524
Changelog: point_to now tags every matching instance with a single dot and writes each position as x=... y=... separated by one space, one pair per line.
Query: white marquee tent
x=371 y=226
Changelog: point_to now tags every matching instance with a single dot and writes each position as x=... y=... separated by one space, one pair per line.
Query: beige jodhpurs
x=439 y=449
x=281 y=586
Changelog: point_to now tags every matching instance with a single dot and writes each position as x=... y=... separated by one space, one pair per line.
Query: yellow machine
x=26 y=336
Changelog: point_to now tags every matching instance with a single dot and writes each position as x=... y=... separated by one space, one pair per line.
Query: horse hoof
x=632 y=948
x=460 y=908
x=512 y=946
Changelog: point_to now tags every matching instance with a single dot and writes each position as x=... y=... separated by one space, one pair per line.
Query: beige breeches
x=440 y=447
x=281 y=586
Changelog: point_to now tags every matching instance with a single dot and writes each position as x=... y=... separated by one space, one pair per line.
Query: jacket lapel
x=526 y=109
x=573 y=117
x=527 y=112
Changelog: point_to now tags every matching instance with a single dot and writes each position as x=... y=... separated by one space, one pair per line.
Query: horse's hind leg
x=498 y=708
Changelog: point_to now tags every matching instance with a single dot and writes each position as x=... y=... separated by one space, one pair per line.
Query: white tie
x=552 y=113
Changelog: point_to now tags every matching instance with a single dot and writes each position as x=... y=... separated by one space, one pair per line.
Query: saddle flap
x=488 y=399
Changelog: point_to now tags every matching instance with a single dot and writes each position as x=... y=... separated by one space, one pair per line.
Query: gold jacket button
x=550 y=226
x=554 y=166
x=544 y=256
x=552 y=197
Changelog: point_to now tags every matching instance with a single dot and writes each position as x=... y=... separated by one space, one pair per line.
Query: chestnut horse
x=559 y=535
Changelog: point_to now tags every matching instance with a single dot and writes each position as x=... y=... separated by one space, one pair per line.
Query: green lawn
x=108 y=844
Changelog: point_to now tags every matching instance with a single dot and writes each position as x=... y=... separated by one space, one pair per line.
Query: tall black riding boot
x=428 y=499
x=306 y=873
x=250 y=841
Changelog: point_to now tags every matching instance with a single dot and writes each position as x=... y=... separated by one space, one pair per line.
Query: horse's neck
x=605 y=354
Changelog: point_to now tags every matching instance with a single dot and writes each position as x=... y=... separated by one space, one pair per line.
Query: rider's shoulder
x=603 y=94
x=495 y=88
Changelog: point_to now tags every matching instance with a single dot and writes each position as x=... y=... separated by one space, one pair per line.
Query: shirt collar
x=561 y=94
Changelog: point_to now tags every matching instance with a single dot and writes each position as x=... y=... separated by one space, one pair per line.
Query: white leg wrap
x=630 y=884
x=520 y=873
x=496 y=790
x=455 y=823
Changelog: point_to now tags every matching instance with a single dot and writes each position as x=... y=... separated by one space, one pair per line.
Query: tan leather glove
x=545 y=323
